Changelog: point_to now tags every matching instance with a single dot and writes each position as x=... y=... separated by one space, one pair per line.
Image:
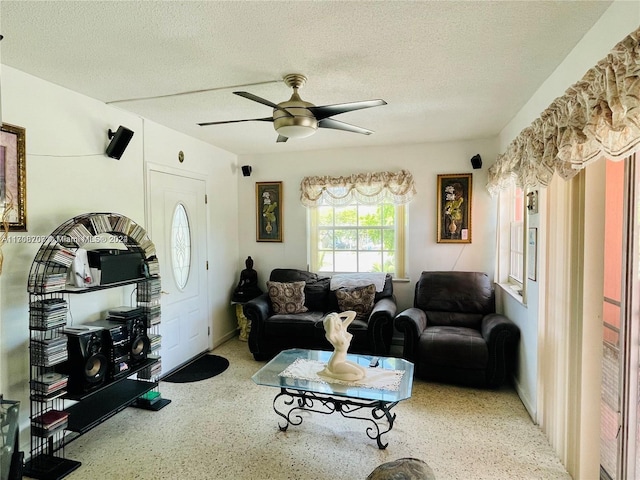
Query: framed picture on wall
x=454 y=208
x=13 y=190
x=268 y=211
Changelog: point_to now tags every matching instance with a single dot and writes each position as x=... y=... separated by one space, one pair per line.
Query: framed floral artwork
x=13 y=183
x=454 y=208
x=268 y=211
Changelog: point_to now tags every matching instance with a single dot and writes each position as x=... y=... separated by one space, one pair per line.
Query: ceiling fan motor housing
x=301 y=124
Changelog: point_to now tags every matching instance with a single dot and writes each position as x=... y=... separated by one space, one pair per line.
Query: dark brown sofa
x=271 y=333
x=452 y=334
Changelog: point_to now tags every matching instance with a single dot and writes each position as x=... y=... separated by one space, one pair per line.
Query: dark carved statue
x=248 y=285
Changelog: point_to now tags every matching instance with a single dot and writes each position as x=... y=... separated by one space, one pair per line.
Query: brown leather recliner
x=452 y=334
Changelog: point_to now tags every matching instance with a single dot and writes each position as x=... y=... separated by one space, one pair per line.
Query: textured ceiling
x=448 y=70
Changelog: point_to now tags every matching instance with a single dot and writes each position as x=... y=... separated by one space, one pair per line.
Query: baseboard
x=525 y=401
x=224 y=338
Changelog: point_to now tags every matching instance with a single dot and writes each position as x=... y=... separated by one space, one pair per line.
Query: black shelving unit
x=58 y=417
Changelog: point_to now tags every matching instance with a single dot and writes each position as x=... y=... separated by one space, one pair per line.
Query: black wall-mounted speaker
x=119 y=141
x=246 y=170
x=476 y=161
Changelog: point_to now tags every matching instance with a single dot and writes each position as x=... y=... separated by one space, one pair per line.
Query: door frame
x=178 y=172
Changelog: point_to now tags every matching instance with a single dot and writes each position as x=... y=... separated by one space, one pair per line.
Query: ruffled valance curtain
x=368 y=188
x=597 y=116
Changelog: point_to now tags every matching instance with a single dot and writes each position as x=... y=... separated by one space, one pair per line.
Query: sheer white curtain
x=368 y=188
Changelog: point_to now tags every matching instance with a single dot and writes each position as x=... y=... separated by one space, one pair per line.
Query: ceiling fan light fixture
x=296 y=131
x=295 y=127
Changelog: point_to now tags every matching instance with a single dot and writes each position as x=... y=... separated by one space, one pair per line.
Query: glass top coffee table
x=293 y=371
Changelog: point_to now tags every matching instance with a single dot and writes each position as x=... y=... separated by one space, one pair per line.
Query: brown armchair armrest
x=412 y=322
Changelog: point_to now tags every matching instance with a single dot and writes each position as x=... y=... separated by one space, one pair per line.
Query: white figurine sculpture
x=338 y=366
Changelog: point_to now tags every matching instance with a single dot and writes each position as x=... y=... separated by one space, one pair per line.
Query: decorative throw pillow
x=287 y=297
x=358 y=299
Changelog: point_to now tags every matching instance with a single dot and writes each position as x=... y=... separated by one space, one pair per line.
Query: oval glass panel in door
x=180 y=246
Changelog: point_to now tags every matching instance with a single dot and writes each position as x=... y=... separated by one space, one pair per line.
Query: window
x=180 y=246
x=516 y=236
x=511 y=253
x=356 y=223
x=357 y=238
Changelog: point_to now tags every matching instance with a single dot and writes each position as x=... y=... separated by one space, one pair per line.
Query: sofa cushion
x=292 y=275
x=316 y=294
x=307 y=325
x=358 y=299
x=454 y=319
x=454 y=347
x=287 y=297
x=463 y=292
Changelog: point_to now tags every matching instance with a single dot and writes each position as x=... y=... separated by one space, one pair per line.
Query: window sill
x=401 y=280
x=514 y=291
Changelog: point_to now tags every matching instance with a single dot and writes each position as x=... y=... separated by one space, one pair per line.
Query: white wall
x=68 y=174
x=424 y=161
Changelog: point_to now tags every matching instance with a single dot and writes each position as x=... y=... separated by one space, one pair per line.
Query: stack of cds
x=48 y=352
x=79 y=234
x=149 y=290
x=47 y=313
x=49 y=422
x=151 y=372
x=57 y=254
x=100 y=223
x=47 y=282
x=155 y=341
x=153 y=266
x=49 y=385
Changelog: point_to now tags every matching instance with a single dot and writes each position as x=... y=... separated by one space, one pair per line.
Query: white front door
x=178 y=226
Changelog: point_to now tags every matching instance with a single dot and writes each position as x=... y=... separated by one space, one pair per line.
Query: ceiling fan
x=296 y=118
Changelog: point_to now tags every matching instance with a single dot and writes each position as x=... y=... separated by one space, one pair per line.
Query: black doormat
x=204 y=367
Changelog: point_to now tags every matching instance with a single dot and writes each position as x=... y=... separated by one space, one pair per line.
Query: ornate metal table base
x=296 y=401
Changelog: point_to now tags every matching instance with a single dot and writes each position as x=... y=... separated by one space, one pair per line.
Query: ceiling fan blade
x=325 y=111
x=265 y=119
x=282 y=139
x=337 y=125
x=261 y=100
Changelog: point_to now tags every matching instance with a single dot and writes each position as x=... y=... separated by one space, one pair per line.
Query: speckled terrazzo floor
x=225 y=428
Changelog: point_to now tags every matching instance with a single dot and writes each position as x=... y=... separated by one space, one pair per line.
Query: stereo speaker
x=140 y=345
x=87 y=363
x=476 y=161
x=119 y=141
x=246 y=170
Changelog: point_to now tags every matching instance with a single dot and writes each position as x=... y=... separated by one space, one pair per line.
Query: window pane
x=389 y=239
x=388 y=215
x=346 y=216
x=518 y=211
x=370 y=261
x=389 y=262
x=325 y=216
x=369 y=215
x=346 y=262
x=369 y=240
x=346 y=239
x=325 y=239
x=325 y=261
x=180 y=246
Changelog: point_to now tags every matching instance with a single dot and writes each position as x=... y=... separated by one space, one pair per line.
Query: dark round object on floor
x=403 y=469
x=204 y=367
